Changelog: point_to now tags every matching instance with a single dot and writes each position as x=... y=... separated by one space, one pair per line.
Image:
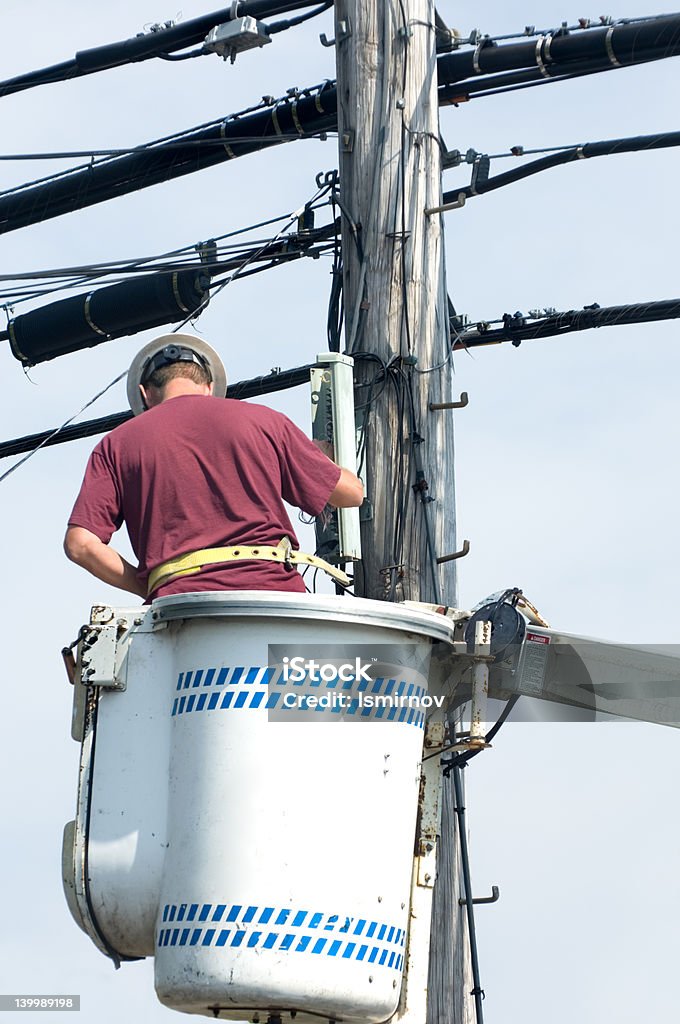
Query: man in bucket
x=200 y=481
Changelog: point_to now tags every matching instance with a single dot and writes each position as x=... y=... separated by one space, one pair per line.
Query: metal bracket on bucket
x=102 y=661
x=429 y=807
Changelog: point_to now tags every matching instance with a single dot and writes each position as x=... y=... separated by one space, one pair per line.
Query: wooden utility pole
x=397 y=329
x=395 y=293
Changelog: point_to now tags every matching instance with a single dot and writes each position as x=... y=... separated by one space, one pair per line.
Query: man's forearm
x=104 y=562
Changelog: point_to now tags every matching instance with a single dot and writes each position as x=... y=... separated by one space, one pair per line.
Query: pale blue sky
x=566 y=463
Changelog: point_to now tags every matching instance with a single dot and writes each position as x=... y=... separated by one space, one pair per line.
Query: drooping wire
x=90 y=402
x=291 y=219
x=66 y=278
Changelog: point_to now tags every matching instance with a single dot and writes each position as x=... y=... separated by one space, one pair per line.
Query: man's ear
x=145 y=397
x=211 y=388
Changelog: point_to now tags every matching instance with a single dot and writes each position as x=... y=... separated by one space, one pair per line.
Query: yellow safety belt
x=195 y=561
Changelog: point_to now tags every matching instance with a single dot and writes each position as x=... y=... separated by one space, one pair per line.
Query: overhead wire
x=180 y=140
x=283 y=26
x=241 y=269
x=49 y=281
x=125 y=150
x=314 y=111
x=559 y=156
x=160 y=41
x=60 y=428
x=51 y=435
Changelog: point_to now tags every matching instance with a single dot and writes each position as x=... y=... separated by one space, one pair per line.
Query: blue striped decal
x=250 y=692
x=387 y=950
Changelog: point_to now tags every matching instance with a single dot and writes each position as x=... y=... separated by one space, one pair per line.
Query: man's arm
x=348 y=492
x=86 y=550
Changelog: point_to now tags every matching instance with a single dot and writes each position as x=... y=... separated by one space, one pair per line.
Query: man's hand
x=86 y=550
x=349 y=490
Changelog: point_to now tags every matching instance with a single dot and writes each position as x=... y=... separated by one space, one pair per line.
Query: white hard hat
x=173 y=348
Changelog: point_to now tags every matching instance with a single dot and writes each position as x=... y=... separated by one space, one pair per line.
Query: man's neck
x=179 y=386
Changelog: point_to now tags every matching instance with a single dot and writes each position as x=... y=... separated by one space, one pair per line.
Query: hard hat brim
x=202 y=348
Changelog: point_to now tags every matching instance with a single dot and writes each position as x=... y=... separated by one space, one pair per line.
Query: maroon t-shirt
x=201 y=472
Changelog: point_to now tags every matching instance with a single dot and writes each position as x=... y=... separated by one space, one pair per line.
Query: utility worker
x=200 y=481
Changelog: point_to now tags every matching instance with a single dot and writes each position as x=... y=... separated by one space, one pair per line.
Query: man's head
x=173 y=365
x=175 y=370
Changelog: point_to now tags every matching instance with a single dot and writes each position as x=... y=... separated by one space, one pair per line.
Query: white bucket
x=288 y=844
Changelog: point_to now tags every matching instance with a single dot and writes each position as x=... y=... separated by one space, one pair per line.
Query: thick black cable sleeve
x=87 y=320
x=151 y=44
x=265 y=385
x=635 y=144
x=461 y=92
x=295 y=116
x=559 y=56
x=516 y=329
x=617 y=43
x=127 y=307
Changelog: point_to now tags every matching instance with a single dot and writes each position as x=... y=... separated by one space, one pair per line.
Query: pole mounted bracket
x=344 y=31
x=434 y=406
x=457 y=205
x=493 y=898
x=456 y=554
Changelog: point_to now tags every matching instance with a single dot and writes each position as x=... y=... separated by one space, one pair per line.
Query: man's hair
x=192 y=371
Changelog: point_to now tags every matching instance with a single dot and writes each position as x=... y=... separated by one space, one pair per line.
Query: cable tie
x=610 y=49
x=539 y=58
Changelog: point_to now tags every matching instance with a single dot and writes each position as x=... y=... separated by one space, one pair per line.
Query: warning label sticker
x=533 y=663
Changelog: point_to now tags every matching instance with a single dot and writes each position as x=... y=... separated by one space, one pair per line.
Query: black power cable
x=301 y=116
x=160 y=42
x=611 y=147
x=314 y=111
x=559 y=51
x=517 y=328
x=283 y=26
x=133 y=305
x=264 y=385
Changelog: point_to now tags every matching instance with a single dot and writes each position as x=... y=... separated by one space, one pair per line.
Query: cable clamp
x=88 y=317
x=546 y=49
x=539 y=58
x=275 y=120
x=610 y=49
x=230 y=151
x=296 y=120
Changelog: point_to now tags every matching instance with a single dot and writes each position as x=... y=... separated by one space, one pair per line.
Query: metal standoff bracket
x=456 y=554
x=493 y=898
x=344 y=32
x=457 y=205
x=433 y=406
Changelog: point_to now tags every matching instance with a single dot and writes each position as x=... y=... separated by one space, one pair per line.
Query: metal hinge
x=99 y=662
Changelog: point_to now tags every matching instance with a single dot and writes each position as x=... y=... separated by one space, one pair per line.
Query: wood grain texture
x=395 y=306
x=396 y=301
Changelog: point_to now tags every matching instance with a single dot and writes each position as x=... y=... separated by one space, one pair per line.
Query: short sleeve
x=98 y=505
x=308 y=478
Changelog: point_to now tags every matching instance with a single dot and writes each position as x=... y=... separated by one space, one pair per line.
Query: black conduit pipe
x=477 y=990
